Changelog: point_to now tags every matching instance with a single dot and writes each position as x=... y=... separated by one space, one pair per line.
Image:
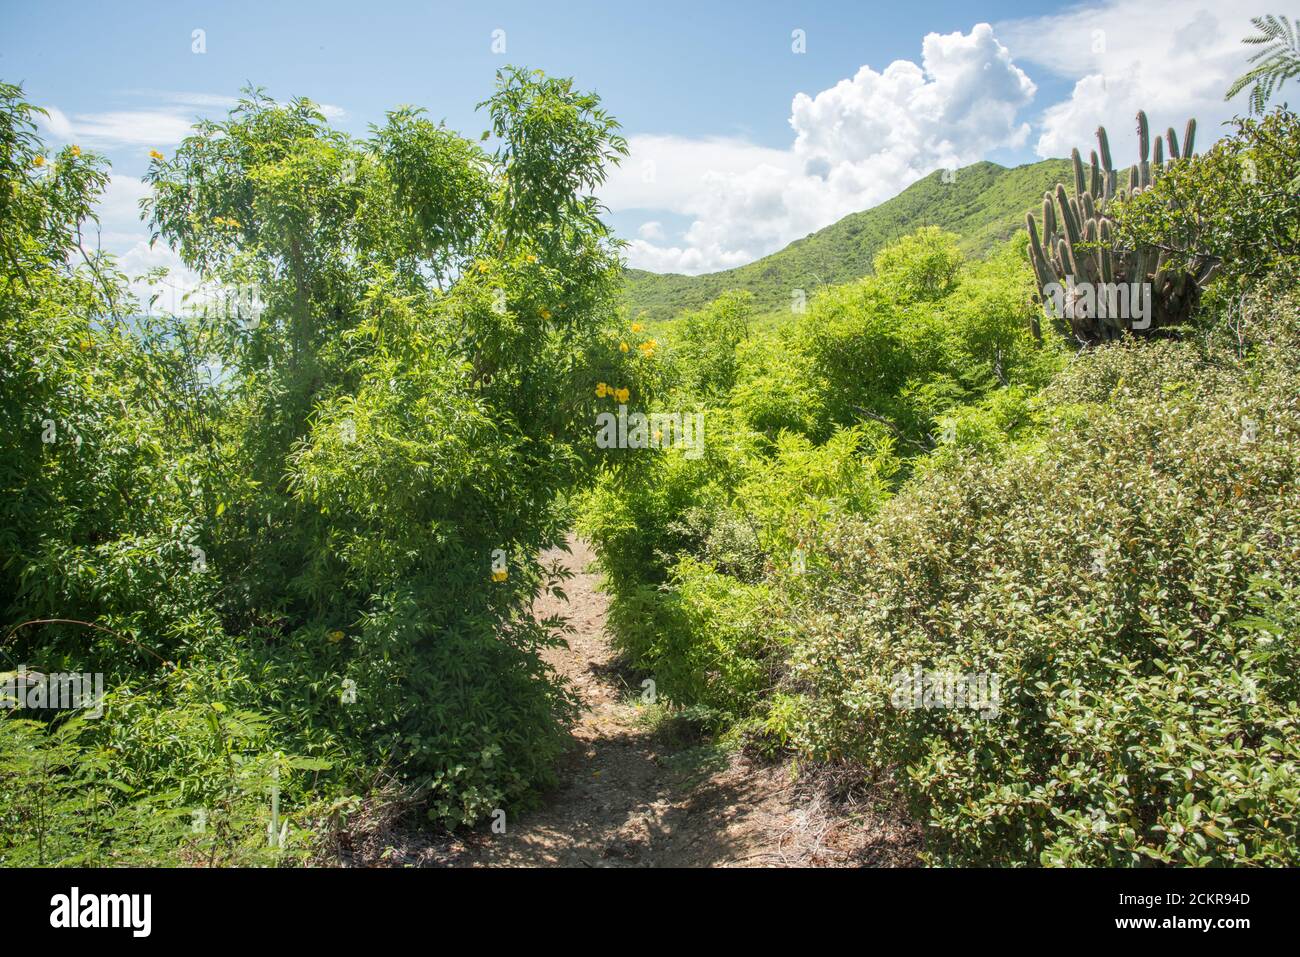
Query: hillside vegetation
x=984 y=205
x=1050 y=596
x=1034 y=583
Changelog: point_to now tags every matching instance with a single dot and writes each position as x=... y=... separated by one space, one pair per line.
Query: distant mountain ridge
x=985 y=204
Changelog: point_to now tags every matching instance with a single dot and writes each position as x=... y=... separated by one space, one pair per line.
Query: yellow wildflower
x=622 y=347
x=601 y=389
x=637 y=327
x=546 y=313
x=335 y=636
x=532 y=258
x=75 y=149
x=500 y=575
x=39 y=161
x=154 y=154
x=622 y=395
x=482 y=267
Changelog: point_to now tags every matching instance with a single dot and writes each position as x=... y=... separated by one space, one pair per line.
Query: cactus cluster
x=1082 y=274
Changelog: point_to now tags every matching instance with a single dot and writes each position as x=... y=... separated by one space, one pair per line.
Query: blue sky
x=740 y=143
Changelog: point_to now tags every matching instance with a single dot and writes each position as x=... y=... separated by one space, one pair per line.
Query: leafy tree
x=364 y=437
x=415 y=394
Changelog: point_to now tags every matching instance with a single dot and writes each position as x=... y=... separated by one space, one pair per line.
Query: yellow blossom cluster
x=620 y=395
x=647 y=347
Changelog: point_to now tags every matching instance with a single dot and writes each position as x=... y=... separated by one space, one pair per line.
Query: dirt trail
x=635 y=793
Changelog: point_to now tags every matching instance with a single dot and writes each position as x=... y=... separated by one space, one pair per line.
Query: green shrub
x=776 y=388
x=915 y=341
x=1111 y=577
x=700 y=638
x=688 y=546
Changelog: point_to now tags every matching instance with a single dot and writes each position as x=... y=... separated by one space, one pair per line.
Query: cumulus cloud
x=1172 y=58
x=652 y=231
x=855 y=145
x=119 y=206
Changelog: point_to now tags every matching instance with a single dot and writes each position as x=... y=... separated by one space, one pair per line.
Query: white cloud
x=168 y=294
x=150 y=128
x=58 y=123
x=668 y=172
x=155 y=126
x=1171 y=58
x=652 y=231
x=119 y=206
x=856 y=144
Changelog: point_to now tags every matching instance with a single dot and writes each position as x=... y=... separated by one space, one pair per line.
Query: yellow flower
x=622 y=347
x=76 y=150
x=335 y=637
x=85 y=344
x=622 y=395
x=601 y=389
x=546 y=313
x=637 y=327
x=39 y=161
x=532 y=258
x=482 y=267
x=154 y=154
x=648 y=348
x=500 y=575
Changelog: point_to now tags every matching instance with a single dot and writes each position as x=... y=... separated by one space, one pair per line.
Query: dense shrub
x=927 y=334
x=1130 y=580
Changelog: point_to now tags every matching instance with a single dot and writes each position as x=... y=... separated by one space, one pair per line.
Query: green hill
x=985 y=204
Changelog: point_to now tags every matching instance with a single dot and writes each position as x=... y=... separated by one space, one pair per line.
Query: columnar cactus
x=1094 y=290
